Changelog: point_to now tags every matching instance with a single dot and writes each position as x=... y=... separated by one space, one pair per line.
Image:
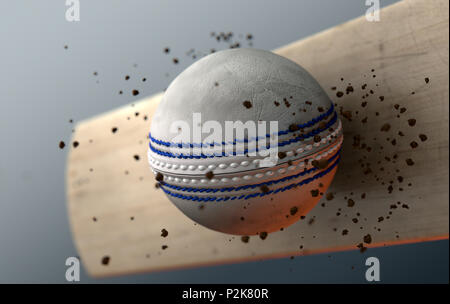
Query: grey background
x=43 y=85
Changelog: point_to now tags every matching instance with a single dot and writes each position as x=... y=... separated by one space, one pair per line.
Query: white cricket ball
x=242 y=182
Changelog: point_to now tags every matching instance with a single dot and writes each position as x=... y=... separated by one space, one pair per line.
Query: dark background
x=43 y=86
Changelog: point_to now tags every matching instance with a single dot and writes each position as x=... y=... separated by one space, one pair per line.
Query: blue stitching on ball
x=223 y=154
x=201 y=145
x=244 y=187
x=261 y=194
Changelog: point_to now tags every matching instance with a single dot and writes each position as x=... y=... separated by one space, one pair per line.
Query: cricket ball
x=245 y=142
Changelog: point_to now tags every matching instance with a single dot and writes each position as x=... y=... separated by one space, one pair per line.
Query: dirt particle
x=320 y=164
x=245 y=238
x=344 y=232
x=339 y=94
x=381 y=98
x=281 y=155
x=361 y=247
x=164 y=247
x=423 y=137
x=135 y=92
x=175 y=60
x=427 y=80
x=127 y=77
x=247 y=104
x=293 y=210
x=411 y=122
x=159 y=177
x=164 y=233
x=414 y=144
x=347 y=115
x=293 y=128
x=209 y=175
x=61 y=145
x=263 y=235
x=330 y=196
x=136 y=157
x=105 y=260
x=166 y=50
x=368 y=239
x=350 y=202
x=75 y=144
x=409 y=162
x=315 y=192
x=264 y=189
x=385 y=128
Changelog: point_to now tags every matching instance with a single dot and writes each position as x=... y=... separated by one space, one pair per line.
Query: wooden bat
x=117 y=215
